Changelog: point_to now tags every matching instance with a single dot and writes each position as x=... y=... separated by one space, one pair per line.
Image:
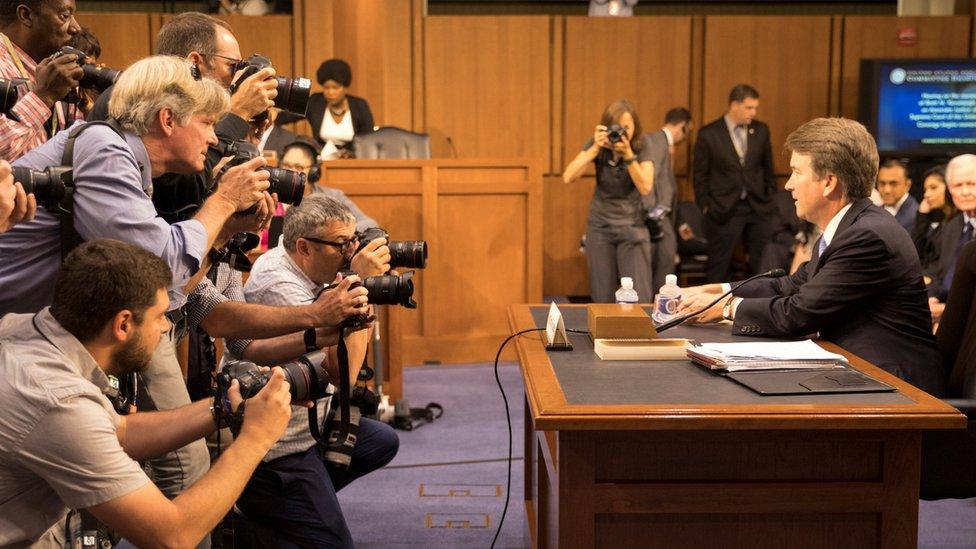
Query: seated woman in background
x=935 y=209
x=617 y=241
x=335 y=116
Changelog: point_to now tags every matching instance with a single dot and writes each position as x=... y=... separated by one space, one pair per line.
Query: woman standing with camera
x=617 y=241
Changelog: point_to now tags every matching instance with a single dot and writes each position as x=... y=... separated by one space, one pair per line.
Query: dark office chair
x=689 y=225
x=949 y=457
x=391 y=143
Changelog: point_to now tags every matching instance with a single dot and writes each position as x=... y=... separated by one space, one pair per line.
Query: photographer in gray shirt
x=62 y=445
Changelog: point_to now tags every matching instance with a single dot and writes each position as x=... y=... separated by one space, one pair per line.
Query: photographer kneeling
x=64 y=446
x=291 y=499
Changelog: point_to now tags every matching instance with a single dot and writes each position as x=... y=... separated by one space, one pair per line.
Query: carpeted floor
x=445 y=489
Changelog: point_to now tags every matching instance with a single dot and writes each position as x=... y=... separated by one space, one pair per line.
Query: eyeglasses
x=346 y=247
x=235 y=62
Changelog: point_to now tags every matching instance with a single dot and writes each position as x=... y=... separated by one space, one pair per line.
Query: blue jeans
x=291 y=501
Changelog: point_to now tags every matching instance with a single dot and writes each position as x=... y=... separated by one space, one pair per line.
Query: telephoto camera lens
x=47 y=186
x=98 y=78
x=293 y=94
x=391 y=290
x=289 y=185
x=307 y=379
x=9 y=95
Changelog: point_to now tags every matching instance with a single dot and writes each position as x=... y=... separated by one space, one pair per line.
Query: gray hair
x=308 y=219
x=956 y=163
x=163 y=81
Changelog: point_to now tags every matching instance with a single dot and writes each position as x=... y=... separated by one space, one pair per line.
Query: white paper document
x=765 y=355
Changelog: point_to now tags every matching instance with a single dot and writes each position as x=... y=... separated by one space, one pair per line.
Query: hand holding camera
x=619 y=141
x=57 y=75
x=344 y=298
x=255 y=94
x=600 y=138
x=244 y=185
x=372 y=259
x=16 y=205
x=290 y=94
x=267 y=412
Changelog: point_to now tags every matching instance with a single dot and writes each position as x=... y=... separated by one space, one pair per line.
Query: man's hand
x=712 y=314
x=255 y=94
x=694 y=302
x=253 y=222
x=267 y=413
x=244 y=185
x=56 y=76
x=15 y=204
x=714 y=290
x=373 y=259
x=339 y=303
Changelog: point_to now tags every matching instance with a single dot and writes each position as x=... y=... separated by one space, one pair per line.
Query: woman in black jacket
x=335 y=116
x=934 y=210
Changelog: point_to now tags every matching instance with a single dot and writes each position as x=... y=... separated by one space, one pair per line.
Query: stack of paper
x=764 y=355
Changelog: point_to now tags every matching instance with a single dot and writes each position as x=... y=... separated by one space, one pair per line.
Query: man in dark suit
x=960 y=229
x=677 y=127
x=863 y=288
x=893 y=185
x=734 y=183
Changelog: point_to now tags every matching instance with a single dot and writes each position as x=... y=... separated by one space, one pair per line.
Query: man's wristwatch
x=727 y=308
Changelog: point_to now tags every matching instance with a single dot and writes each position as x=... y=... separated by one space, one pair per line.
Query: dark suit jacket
x=907 y=213
x=946 y=246
x=362 y=117
x=664 y=185
x=719 y=177
x=865 y=293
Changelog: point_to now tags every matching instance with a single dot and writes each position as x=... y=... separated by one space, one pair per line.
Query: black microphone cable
x=508 y=418
x=675 y=321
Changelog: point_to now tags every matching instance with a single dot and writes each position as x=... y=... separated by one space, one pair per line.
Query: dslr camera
x=49 y=186
x=411 y=254
x=655 y=221
x=94 y=78
x=292 y=92
x=615 y=133
x=289 y=185
x=307 y=379
x=9 y=93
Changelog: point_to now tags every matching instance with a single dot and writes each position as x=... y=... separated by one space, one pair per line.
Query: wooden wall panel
x=314 y=28
x=786 y=58
x=877 y=36
x=565 y=208
x=375 y=38
x=269 y=35
x=646 y=60
x=486 y=86
x=124 y=37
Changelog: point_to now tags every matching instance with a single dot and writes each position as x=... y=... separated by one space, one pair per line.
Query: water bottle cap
x=671 y=280
x=627 y=283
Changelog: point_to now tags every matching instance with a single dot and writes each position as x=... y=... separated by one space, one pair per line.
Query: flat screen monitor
x=919 y=107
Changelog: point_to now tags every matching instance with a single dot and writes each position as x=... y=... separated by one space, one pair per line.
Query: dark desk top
x=576 y=390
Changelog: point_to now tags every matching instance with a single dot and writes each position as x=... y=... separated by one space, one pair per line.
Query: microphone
x=451 y=143
x=675 y=321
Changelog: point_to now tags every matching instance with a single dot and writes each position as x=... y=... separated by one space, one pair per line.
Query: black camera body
x=289 y=185
x=616 y=133
x=9 y=93
x=292 y=92
x=94 y=77
x=307 y=378
x=411 y=254
x=49 y=186
x=655 y=220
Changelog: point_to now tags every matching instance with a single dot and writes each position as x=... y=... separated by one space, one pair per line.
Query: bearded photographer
x=167 y=117
x=15 y=204
x=66 y=447
x=32 y=32
x=291 y=498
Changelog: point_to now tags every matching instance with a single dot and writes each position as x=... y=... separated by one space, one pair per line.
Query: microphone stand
x=675 y=321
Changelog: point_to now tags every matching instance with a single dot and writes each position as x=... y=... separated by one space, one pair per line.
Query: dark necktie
x=967 y=235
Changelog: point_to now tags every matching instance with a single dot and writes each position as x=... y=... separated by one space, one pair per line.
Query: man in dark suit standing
x=863 y=288
x=734 y=183
x=893 y=186
x=959 y=230
x=677 y=127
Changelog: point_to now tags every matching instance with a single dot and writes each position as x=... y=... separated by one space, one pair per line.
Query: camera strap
x=345 y=392
x=70 y=238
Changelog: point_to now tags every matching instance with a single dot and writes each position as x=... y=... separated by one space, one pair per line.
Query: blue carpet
x=446 y=487
x=409 y=503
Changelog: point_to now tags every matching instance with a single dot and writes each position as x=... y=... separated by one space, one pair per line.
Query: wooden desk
x=676 y=468
x=482 y=220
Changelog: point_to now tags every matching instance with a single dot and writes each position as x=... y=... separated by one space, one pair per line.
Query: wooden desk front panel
x=482 y=220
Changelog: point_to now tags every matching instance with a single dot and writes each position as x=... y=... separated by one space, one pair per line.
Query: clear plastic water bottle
x=626 y=295
x=667 y=301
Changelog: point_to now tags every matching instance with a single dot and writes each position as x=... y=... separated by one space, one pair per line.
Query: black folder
x=805 y=382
